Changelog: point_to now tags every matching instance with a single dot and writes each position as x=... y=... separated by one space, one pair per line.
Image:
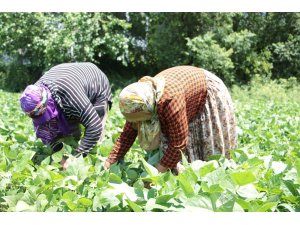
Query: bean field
x=263 y=174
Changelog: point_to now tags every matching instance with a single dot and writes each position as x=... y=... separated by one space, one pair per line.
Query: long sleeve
x=77 y=104
x=174 y=124
x=56 y=146
x=183 y=99
x=93 y=129
x=123 y=143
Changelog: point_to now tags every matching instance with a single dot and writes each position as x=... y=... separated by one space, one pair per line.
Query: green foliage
x=14 y=76
x=168 y=33
x=34 y=42
x=85 y=37
x=262 y=176
x=247 y=61
x=20 y=52
x=277 y=33
x=286 y=57
x=236 y=46
x=234 y=57
x=208 y=54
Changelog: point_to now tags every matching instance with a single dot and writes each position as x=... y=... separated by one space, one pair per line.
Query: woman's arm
x=94 y=127
x=123 y=143
x=173 y=118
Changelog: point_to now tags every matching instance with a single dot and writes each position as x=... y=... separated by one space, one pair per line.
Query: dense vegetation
x=263 y=174
x=236 y=46
x=256 y=54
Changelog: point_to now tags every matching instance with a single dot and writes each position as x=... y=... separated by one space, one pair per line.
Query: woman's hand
x=147 y=185
x=106 y=165
x=161 y=168
x=65 y=163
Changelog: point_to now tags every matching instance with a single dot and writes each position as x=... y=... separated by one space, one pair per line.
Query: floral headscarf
x=139 y=100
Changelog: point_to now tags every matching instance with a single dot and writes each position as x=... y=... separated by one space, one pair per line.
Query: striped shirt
x=183 y=99
x=83 y=93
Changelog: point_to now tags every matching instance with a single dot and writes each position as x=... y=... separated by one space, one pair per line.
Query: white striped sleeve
x=90 y=120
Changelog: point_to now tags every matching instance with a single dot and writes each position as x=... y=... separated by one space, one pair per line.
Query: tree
x=278 y=34
x=208 y=54
x=22 y=56
x=248 y=61
x=168 y=33
x=34 y=42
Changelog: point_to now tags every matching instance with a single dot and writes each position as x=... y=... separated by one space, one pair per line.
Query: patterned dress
x=213 y=131
x=196 y=116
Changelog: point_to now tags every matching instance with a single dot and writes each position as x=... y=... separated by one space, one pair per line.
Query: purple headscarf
x=47 y=117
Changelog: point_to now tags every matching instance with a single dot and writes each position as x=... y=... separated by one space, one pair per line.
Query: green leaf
x=154 y=157
x=107 y=198
x=132 y=174
x=209 y=167
x=254 y=162
x=186 y=186
x=266 y=206
x=11 y=154
x=85 y=201
x=163 y=199
x=220 y=177
x=201 y=201
x=151 y=170
x=151 y=206
x=57 y=156
x=248 y=191
x=190 y=174
x=71 y=205
x=106 y=147
x=184 y=160
x=214 y=198
x=78 y=168
x=56 y=176
x=239 y=156
x=152 y=193
x=215 y=157
x=97 y=206
x=24 y=207
x=69 y=196
x=243 y=203
x=133 y=206
x=278 y=167
x=125 y=189
x=291 y=186
x=41 y=202
x=139 y=188
x=11 y=200
x=227 y=207
x=115 y=168
x=211 y=189
x=297 y=166
x=46 y=161
x=67 y=148
x=113 y=178
x=21 y=138
x=237 y=208
x=52 y=209
x=243 y=178
x=287 y=206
